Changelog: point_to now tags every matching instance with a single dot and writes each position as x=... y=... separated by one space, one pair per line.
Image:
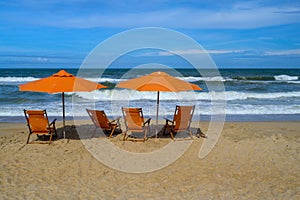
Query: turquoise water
x=251 y=94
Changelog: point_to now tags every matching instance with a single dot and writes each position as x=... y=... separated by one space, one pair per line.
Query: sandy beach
x=250 y=161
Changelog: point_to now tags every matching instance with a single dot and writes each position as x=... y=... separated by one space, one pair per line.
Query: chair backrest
x=37 y=120
x=99 y=118
x=134 y=118
x=183 y=117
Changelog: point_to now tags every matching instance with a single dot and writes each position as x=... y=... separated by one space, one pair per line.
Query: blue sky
x=54 y=33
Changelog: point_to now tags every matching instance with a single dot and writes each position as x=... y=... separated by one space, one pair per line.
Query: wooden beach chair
x=100 y=120
x=134 y=122
x=38 y=123
x=181 y=121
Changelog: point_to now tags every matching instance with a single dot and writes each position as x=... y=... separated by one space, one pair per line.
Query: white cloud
x=265 y=38
x=42 y=59
x=282 y=52
x=189 y=52
x=198 y=51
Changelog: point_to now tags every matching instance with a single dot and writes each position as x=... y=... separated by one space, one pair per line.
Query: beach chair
x=134 y=122
x=181 y=121
x=101 y=121
x=38 y=123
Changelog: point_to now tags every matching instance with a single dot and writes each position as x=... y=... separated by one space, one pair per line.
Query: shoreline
x=206 y=118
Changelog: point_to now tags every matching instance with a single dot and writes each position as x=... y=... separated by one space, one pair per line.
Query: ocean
x=251 y=94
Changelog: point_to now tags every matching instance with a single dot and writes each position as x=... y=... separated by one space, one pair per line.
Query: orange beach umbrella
x=159 y=82
x=61 y=82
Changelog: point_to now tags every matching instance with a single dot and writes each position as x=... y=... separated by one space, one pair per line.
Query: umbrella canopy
x=61 y=82
x=160 y=82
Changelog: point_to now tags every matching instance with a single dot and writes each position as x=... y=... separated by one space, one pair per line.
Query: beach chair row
x=135 y=122
x=38 y=122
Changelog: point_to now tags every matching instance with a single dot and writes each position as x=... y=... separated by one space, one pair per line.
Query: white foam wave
x=123 y=94
x=195 y=79
x=295 y=82
x=17 y=79
x=166 y=108
x=284 y=77
x=291 y=79
x=262 y=109
x=191 y=78
x=101 y=80
x=29 y=79
x=232 y=95
x=132 y=95
x=188 y=79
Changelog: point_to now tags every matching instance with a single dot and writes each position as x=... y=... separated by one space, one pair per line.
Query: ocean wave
x=188 y=79
x=29 y=79
x=254 y=78
x=110 y=80
x=294 y=82
x=212 y=79
x=17 y=79
x=282 y=77
x=262 y=109
x=286 y=78
x=233 y=95
x=165 y=109
x=124 y=94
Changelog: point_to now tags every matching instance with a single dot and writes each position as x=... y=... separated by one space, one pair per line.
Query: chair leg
x=172 y=136
x=145 y=134
x=191 y=135
x=164 y=131
x=124 y=136
x=171 y=132
x=50 y=138
x=112 y=131
x=28 y=138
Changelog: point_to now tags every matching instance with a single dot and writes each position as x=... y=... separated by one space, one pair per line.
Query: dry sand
x=250 y=161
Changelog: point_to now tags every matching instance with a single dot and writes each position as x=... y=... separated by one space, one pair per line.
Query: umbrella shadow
x=195 y=131
x=70 y=133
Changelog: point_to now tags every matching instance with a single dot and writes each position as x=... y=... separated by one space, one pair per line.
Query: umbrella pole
x=63 y=105
x=157 y=109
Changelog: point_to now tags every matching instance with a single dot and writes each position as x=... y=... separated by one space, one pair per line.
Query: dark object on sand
x=200 y=133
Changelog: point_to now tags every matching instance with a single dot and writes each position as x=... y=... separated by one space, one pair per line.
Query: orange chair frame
x=134 y=122
x=181 y=120
x=38 y=123
x=100 y=120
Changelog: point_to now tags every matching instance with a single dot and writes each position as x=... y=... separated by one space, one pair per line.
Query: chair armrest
x=115 y=120
x=53 y=122
x=147 y=122
x=168 y=120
